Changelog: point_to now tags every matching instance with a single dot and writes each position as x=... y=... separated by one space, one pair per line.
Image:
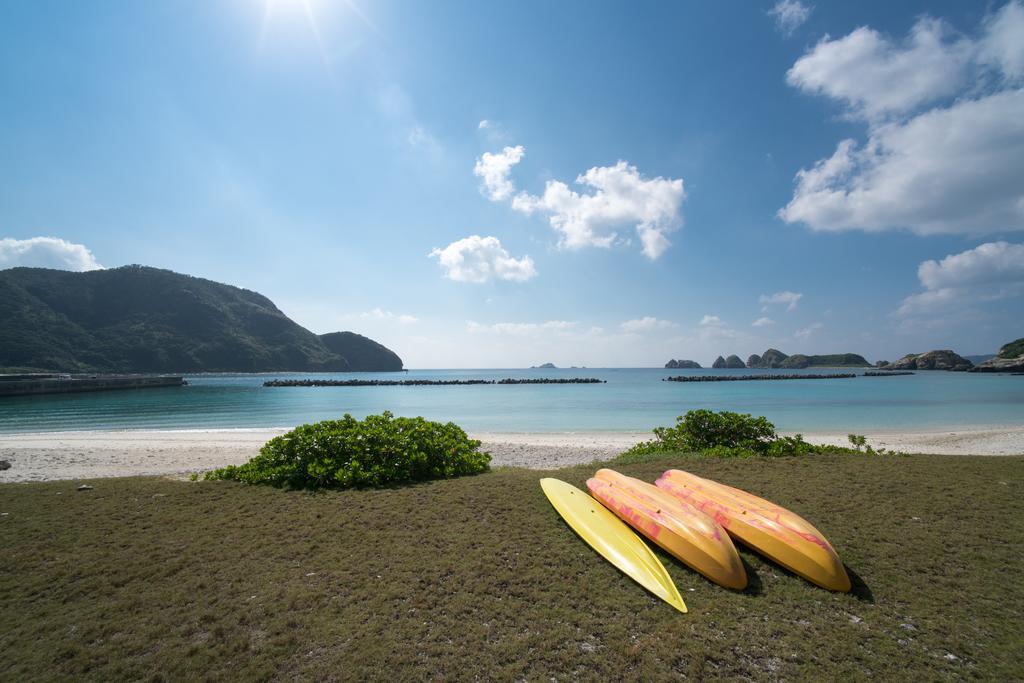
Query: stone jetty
x=748 y=378
x=424 y=382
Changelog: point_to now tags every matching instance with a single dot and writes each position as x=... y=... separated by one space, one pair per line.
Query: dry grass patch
x=477 y=577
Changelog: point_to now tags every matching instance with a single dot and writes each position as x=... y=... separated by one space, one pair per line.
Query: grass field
x=479 y=578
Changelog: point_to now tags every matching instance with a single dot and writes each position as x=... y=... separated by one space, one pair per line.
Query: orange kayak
x=683 y=531
x=773 y=531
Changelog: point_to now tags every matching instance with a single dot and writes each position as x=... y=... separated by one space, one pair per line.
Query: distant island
x=773 y=358
x=136 y=319
x=682 y=365
x=942 y=359
x=1009 y=359
x=545 y=366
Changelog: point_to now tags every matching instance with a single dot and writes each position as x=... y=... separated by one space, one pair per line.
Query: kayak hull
x=680 y=529
x=775 y=532
x=612 y=539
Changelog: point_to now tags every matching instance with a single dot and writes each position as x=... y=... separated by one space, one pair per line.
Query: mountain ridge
x=142 y=319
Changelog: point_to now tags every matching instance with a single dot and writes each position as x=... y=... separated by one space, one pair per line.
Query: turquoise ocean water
x=632 y=400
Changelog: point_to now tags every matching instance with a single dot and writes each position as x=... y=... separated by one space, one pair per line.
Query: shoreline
x=45 y=456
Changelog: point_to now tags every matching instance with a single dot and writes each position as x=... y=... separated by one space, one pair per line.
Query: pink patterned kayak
x=773 y=531
x=683 y=531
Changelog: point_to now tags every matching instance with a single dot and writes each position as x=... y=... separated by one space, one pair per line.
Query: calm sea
x=632 y=400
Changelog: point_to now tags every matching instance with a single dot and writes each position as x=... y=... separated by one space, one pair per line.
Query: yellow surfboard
x=772 y=530
x=610 y=537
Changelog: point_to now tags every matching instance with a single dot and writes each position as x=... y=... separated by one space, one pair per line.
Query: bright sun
x=279 y=10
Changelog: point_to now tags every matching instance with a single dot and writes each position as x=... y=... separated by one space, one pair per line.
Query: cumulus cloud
x=762 y=322
x=790 y=299
x=481 y=259
x=874 y=75
x=790 y=15
x=621 y=198
x=994 y=270
x=46 y=252
x=494 y=169
x=646 y=324
x=806 y=332
x=953 y=168
x=990 y=262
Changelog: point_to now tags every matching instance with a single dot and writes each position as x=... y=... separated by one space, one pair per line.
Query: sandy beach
x=87 y=455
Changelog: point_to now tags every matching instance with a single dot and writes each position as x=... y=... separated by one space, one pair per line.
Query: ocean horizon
x=631 y=399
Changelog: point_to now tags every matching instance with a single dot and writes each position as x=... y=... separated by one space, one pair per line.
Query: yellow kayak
x=774 y=531
x=681 y=529
x=612 y=539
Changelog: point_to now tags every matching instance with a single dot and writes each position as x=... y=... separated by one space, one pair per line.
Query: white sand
x=87 y=455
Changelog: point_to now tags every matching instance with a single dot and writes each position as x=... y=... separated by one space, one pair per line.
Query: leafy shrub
x=733 y=435
x=348 y=453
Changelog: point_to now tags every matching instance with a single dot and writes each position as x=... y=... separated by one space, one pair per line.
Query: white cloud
x=480 y=259
x=808 y=331
x=987 y=263
x=762 y=322
x=874 y=76
x=1002 y=46
x=790 y=15
x=991 y=271
x=483 y=125
x=954 y=168
x=711 y=321
x=646 y=324
x=494 y=168
x=381 y=314
x=521 y=329
x=621 y=198
x=790 y=299
x=46 y=252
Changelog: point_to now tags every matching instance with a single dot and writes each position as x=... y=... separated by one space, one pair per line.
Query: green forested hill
x=139 y=319
x=773 y=358
x=362 y=352
x=1014 y=349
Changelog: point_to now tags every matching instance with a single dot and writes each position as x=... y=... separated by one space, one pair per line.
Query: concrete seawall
x=34 y=385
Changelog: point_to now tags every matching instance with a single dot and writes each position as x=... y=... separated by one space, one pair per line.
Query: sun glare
x=279 y=10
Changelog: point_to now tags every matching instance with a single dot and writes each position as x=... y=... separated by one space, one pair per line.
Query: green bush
x=733 y=435
x=349 y=453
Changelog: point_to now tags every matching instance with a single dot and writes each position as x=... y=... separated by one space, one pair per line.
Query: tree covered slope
x=139 y=319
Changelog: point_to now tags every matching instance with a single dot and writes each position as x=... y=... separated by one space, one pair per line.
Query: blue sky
x=410 y=170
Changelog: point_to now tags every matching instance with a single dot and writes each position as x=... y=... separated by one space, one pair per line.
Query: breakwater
x=39 y=384
x=887 y=373
x=424 y=382
x=751 y=378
